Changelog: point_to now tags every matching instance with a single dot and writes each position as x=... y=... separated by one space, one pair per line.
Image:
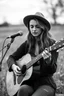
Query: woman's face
x=34 y=28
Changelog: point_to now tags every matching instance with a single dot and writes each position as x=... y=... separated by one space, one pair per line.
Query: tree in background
x=55 y=8
x=5 y=24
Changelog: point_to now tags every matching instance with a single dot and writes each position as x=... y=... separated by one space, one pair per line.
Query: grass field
x=57 y=33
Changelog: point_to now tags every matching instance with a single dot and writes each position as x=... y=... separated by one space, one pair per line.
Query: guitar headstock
x=57 y=45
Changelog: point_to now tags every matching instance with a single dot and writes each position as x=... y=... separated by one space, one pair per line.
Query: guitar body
x=12 y=87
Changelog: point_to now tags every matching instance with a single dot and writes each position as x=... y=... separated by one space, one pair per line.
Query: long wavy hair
x=44 y=39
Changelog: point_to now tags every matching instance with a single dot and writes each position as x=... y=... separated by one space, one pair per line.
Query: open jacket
x=42 y=72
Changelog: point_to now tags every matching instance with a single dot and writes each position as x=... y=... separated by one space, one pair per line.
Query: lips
x=35 y=32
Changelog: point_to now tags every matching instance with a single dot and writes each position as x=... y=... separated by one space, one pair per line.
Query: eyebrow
x=35 y=25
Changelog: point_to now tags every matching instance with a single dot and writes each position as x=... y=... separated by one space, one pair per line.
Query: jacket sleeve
x=49 y=69
x=10 y=61
x=16 y=55
x=53 y=64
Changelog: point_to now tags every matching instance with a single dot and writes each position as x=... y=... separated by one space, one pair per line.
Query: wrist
x=48 y=60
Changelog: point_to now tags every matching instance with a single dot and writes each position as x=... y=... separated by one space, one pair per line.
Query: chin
x=36 y=35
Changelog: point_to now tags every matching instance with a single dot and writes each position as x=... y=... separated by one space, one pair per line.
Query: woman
x=41 y=82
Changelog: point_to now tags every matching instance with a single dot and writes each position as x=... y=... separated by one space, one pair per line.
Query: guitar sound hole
x=23 y=70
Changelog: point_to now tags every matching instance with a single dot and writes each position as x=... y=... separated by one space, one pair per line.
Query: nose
x=34 y=28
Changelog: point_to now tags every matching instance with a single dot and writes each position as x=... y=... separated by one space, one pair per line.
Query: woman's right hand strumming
x=16 y=69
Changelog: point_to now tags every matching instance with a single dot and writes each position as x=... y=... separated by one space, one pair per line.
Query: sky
x=13 y=11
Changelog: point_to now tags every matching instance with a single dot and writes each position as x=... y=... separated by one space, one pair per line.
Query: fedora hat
x=38 y=16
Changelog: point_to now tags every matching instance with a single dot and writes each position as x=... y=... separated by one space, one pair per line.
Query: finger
x=17 y=73
x=45 y=55
x=48 y=53
x=18 y=68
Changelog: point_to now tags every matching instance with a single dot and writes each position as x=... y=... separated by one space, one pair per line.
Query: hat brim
x=42 y=19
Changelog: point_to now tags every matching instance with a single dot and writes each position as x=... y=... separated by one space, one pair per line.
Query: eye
x=31 y=26
x=37 y=26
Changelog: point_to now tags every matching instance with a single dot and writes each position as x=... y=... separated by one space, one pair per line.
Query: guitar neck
x=31 y=63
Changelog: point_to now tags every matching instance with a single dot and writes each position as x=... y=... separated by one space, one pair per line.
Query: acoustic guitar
x=14 y=82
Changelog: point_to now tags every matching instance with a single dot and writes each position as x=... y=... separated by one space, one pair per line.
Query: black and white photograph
x=31 y=47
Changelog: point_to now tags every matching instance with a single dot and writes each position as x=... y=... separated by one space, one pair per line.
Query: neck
x=36 y=49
